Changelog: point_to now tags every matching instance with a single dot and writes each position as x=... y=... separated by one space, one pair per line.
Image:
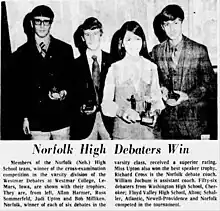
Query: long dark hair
x=134 y=27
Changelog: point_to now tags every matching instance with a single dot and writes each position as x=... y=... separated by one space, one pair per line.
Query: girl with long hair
x=131 y=84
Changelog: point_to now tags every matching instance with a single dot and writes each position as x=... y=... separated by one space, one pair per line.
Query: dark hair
x=92 y=23
x=28 y=30
x=171 y=12
x=42 y=10
x=134 y=27
x=158 y=30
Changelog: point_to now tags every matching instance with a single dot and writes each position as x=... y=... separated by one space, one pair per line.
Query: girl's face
x=132 y=43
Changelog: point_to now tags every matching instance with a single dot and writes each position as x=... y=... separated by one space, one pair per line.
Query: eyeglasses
x=38 y=22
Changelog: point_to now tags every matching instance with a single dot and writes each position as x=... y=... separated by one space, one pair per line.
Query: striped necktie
x=96 y=72
x=43 y=49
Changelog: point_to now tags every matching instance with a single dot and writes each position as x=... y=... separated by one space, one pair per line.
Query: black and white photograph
x=109 y=105
x=74 y=70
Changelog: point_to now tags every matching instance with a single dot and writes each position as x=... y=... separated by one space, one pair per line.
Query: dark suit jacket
x=39 y=75
x=193 y=75
x=82 y=125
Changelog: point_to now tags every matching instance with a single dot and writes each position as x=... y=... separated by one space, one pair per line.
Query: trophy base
x=88 y=109
x=171 y=102
x=147 y=120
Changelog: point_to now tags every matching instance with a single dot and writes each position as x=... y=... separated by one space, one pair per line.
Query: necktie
x=174 y=55
x=95 y=72
x=43 y=49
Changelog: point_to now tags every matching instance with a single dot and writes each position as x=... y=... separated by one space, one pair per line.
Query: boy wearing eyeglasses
x=45 y=64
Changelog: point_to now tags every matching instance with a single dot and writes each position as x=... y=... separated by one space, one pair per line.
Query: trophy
x=133 y=102
x=88 y=107
x=172 y=96
x=55 y=94
x=55 y=91
x=146 y=117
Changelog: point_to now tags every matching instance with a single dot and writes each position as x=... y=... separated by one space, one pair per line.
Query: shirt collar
x=177 y=47
x=46 y=40
x=97 y=53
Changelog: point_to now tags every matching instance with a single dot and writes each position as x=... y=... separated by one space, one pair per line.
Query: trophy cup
x=88 y=107
x=133 y=102
x=146 y=117
x=172 y=96
x=90 y=103
x=54 y=93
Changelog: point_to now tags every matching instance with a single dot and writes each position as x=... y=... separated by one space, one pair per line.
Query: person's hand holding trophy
x=173 y=97
x=88 y=108
x=55 y=94
x=148 y=118
x=130 y=115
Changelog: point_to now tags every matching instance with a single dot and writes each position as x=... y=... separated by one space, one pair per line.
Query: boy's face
x=173 y=28
x=92 y=38
x=41 y=26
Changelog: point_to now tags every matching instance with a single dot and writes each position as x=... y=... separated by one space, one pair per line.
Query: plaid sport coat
x=192 y=75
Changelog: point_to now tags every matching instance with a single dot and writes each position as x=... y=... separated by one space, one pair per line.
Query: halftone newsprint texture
x=106 y=175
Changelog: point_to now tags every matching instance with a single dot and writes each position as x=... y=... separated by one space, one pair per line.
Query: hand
x=85 y=111
x=26 y=127
x=147 y=99
x=183 y=97
x=63 y=94
x=54 y=95
x=164 y=92
x=57 y=95
x=131 y=116
x=155 y=120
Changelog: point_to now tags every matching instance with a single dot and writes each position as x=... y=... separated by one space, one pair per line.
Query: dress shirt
x=176 y=51
x=89 y=55
x=45 y=40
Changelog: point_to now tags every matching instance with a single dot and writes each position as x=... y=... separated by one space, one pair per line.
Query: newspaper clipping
x=152 y=175
x=131 y=140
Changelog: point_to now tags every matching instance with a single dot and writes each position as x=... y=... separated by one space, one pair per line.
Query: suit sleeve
x=21 y=82
x=68 y=64
x=154 y=56
x=205 y=77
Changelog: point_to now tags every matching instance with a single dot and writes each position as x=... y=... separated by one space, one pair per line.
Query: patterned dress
x=124 y=79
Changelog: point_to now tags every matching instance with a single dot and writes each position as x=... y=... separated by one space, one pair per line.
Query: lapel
x=103 y=65
x=184 y=61
x=85 y=71
x=163 y=52
x=51 y=47
x=85 y=66
x=184 y=54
